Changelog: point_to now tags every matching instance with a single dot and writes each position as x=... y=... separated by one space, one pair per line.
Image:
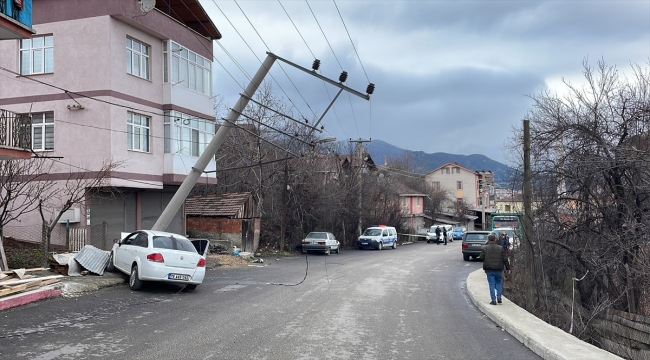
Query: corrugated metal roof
x=93 y=259
x=217 y=205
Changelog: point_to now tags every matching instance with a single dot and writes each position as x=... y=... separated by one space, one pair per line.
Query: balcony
x=15 y=136
x=16 y=19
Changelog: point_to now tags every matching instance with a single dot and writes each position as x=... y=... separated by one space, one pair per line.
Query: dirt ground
x=225 y=260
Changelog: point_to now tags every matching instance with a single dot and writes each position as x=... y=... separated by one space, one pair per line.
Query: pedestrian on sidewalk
x=494 y=261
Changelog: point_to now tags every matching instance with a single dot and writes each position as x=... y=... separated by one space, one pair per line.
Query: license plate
x=178 y=277
x=477 y=244
x=364 y=243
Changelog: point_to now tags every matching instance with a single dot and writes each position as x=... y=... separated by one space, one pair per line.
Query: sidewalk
x=68 y=286
x=543 y=339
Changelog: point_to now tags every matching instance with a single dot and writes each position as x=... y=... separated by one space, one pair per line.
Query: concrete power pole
x=528 y=221
x=360 y=183
x=195 y=173
x=283 y=220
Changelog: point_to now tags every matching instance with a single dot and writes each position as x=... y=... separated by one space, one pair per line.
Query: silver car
x=321 y=241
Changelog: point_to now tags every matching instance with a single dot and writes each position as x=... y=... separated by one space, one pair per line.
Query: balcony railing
x=15 y=130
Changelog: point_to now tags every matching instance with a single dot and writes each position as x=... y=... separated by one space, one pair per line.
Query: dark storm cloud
x=450 y=76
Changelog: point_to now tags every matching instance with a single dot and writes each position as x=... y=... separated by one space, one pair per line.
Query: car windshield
x=372 y=232
x=471 y=236
x=459 y=229
x=317 y=235
x=173 y=243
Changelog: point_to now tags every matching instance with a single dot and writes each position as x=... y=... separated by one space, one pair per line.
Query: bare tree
x=73 y=191
x=592 y=194
x=20 y=190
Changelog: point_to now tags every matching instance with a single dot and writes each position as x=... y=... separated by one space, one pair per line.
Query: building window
x=37 y=55
x=455 y=170
x=137 y=132
x=436 y=185
x=137 y=58
x=459 y=185
x=418 y=201
x=186 y=134
x=403 y=202
x=445 y=171
x=43 y=131
x=188 y=69
x=507 y=208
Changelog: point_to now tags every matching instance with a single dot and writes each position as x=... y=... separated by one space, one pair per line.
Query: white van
x=431 y=235
x=378 y=237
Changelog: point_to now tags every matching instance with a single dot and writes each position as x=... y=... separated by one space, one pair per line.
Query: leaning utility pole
x=195 y=173
x=360 y=182
x=528 y=221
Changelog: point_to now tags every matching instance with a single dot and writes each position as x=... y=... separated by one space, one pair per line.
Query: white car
x=321 y=241
x=147 y=255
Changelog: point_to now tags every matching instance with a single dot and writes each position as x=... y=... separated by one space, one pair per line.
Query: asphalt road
x=408 y=303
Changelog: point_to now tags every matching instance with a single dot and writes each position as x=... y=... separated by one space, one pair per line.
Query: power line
x=349 y=37
x=312 y=53
x=281 y=67
x=323 y=32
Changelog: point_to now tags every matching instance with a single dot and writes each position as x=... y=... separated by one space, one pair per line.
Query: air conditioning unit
x=74 y=215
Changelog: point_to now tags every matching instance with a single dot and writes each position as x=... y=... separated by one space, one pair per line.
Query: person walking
x=438 y=235
x=444 y=234
x=505 y=241
x=494 y=261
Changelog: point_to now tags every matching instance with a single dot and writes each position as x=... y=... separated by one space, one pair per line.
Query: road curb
x=44 y=292
x=543 y=339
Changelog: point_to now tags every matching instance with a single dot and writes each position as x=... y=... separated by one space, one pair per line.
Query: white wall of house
x=448 y=176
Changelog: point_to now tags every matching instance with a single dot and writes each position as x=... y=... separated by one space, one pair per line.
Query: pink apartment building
x=116 y=80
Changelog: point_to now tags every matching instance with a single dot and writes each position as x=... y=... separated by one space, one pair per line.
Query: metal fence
x=15 y=130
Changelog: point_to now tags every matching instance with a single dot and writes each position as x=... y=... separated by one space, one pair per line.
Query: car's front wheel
x=380 y=246
x=110 y=267
x=134 y=281
x=395 y=244
x=338 y=249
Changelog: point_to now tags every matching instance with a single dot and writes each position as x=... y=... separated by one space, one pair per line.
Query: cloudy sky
x=450 y=76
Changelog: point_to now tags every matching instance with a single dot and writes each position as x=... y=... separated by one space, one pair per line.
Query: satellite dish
x=147 y=5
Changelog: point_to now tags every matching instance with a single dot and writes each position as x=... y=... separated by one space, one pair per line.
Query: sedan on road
x=147 y=255
x=473 y=242
x=321 y=241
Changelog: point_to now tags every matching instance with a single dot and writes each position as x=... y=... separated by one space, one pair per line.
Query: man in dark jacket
x=438 y=235
x=494 y=260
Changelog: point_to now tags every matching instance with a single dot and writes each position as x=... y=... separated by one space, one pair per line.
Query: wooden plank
x=12 y=289
x=26 y=270
x=16 y=282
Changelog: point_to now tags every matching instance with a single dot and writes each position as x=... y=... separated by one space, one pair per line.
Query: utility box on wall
x=74 y=215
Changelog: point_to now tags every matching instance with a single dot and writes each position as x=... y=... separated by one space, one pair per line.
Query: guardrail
x=15 y=130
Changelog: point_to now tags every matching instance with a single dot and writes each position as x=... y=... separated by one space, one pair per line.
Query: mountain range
x=421 y=162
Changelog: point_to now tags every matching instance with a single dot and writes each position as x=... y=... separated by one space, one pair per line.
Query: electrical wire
x=312 y=53
x=337 y=60
x=281 y=67
x=325 y=36
x=352 y=42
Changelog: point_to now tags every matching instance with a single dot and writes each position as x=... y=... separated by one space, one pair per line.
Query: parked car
x=432 y=233
x=378 y=237
x=147 y=255
x=473 y=242
x=423 y=234
x=321 y=241
x=458 y=232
